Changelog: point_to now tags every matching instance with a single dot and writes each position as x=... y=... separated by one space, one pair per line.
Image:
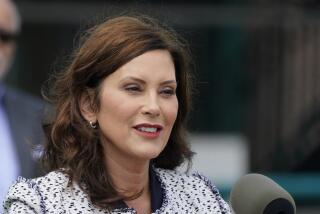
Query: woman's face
x=138 y=107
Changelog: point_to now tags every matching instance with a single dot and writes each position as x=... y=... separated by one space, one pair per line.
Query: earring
x=93 y=124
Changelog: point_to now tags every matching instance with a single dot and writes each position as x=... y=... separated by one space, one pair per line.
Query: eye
x=133 y=88
x=168 y=91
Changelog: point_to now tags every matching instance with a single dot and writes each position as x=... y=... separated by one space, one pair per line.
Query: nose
x=151 y=106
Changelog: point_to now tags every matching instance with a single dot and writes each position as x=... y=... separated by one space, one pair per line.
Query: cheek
x=114 y=108
x=171 y=112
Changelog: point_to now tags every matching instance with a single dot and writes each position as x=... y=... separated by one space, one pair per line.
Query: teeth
x=147 y=129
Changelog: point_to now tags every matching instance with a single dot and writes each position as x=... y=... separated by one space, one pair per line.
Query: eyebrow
x=143 y=82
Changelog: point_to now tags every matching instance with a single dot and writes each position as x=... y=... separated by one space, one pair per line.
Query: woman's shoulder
x=195 y=188
x=193 y=179
x=30 y=194
x=51 y=182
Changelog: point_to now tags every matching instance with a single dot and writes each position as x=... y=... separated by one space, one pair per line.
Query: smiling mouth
x=148 y=130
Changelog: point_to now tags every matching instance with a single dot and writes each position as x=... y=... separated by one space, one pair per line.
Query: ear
x=86 y=107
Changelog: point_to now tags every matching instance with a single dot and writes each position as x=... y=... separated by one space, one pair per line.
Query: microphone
x=258 y=194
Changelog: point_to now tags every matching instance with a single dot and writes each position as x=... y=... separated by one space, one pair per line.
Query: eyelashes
x=132 y=88
x=166 y=91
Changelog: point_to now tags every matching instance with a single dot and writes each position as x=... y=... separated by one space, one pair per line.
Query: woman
x=118 y=133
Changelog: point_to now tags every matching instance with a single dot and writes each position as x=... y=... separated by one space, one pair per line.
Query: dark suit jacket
x=24 y=113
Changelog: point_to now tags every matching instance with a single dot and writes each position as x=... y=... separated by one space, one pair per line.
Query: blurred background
x=257 y=108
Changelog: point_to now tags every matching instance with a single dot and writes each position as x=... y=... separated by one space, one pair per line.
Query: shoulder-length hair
x=72 y=144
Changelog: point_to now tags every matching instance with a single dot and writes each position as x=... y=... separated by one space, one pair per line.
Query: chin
x=148 y=155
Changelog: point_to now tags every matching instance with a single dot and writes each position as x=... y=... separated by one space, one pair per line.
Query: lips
x=148 y=130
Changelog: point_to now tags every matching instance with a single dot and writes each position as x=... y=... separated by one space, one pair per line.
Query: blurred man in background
x=20 y=114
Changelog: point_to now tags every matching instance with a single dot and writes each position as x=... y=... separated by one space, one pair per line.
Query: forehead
x=8 y=16
x=152 y=67
x=157 y=64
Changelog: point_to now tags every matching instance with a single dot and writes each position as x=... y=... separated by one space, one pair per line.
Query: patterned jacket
x=51 y=194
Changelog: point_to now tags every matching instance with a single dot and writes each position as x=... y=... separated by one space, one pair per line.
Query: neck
x=129 y=177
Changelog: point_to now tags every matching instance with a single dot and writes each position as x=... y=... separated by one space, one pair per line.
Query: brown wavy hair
x=72 y=144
